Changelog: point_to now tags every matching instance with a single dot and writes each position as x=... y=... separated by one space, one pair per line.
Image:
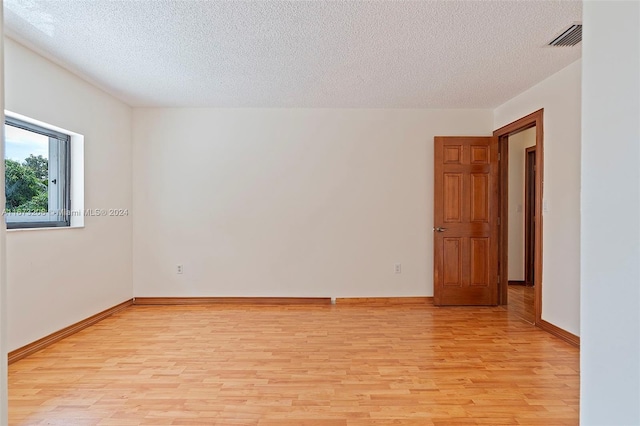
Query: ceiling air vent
x=569 y=37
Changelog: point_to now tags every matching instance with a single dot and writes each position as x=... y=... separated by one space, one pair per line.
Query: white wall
x=518 y=144
x=3 y=264
x=58 y=277
x=559 y=95
x=610 y=341
x=287 y=202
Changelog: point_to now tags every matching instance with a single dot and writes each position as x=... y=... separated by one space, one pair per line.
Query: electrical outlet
x=179 y=269
x=397 y=268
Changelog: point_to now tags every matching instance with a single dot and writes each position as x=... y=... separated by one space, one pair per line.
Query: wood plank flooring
x=341 y=365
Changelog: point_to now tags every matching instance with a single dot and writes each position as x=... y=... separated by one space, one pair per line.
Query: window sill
x=53 y=228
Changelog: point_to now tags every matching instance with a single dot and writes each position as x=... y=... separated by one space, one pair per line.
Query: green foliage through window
x=26 y=185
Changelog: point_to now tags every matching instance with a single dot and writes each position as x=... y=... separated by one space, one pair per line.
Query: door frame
x=535 y=119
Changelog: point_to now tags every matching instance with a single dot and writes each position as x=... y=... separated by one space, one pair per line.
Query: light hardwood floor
x=300 y=365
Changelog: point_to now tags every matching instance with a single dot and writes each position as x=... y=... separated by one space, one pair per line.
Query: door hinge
x=499 y=221
x=499 y=155
x=498 y=279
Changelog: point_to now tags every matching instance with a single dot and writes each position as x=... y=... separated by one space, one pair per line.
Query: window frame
x=60 y=151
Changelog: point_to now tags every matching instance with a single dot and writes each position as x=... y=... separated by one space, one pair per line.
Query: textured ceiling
x=434 y=54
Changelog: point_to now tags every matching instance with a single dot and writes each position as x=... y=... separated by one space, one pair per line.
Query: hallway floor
x=520 y=302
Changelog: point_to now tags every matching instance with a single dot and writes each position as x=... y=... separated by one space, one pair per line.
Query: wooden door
x=466 y=221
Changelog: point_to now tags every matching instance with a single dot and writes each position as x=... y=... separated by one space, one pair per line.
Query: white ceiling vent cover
x=569 y=37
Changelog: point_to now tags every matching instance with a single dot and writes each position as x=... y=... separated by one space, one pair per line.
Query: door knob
x=439 y=229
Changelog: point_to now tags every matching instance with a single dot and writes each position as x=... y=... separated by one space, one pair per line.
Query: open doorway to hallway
x=521 y=223
x=520 y=146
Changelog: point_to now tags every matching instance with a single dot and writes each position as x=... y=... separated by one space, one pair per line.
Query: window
x=37 y=176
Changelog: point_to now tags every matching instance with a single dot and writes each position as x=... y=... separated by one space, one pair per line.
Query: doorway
x=529 y=214
x=521 y=215
x=520 y=254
